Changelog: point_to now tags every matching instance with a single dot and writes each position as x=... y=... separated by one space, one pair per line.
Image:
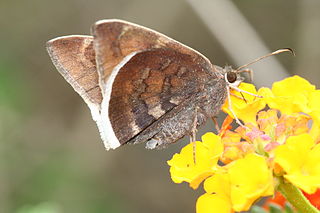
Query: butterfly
x=140 y=85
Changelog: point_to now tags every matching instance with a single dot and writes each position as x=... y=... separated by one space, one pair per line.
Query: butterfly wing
x=131 y=77
x=148 y=86
x=74 y=58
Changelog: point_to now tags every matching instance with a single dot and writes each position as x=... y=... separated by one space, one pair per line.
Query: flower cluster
x=278 y=141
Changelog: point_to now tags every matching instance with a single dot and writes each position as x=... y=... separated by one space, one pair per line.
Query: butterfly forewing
x=74 y=57
x=115 y=39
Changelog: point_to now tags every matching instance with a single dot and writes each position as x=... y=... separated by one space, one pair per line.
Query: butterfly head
x=232 y=77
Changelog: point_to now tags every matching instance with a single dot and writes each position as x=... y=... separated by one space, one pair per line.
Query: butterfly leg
x=230 y=108
x=194 y=127
x=240 y=90
x=216 y=125
x=193 y=134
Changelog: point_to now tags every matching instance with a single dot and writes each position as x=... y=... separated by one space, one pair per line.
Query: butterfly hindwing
x=148 y=86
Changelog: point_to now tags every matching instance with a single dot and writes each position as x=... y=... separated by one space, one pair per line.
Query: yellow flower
x=269 y=132
x=315 y=129
x=250 y=179
x=211 y=203
x=314 y=101
x=234 y=148
x=299 y=157
x=217 y=198
x=267 y=120
x=296 y=95
x=194 y=169
x=237 y=186
x=291 y=95
x=279 y=128
x=247 y=108
x=277 y=141
x=314 y=105
x=292 y=86
x=231 y=153
x=290 y=125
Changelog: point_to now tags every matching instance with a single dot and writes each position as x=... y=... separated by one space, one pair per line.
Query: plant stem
x=295 y=197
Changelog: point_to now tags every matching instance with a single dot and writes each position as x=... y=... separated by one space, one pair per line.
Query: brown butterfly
x=140 y=85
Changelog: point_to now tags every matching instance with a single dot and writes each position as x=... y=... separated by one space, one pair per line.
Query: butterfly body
x=140 y=85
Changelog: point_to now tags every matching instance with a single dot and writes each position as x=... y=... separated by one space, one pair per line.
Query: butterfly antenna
x=265 y=56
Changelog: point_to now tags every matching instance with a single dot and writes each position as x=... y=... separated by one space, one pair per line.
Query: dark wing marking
x=150 y=84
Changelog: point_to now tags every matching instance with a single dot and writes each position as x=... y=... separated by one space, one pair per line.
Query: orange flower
x=278 y=199
x=314 y=198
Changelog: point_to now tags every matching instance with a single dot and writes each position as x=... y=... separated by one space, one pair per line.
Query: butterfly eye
x=231 y=77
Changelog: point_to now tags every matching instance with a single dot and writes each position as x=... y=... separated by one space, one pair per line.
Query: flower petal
x=299 y=157
x=292 y=86
x=219 y=183
x=247 y=108
x=246 y=185
x=291 y=95
x=194 y=169
x=209 y=203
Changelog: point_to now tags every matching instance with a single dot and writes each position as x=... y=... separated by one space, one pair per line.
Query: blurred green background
x=51 y=156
